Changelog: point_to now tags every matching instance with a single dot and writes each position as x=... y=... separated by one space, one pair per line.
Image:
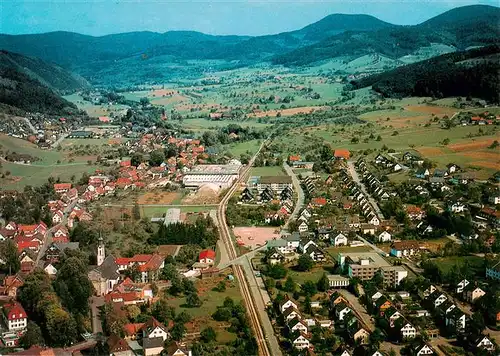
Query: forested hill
x=463 y=27
x=469 y=73
x=20 y=93
x=73 y=49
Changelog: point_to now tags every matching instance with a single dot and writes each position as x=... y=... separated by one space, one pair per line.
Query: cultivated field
x=160 y=198
x=267 y=171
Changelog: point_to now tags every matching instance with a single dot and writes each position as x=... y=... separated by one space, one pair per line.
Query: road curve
x=256 y=315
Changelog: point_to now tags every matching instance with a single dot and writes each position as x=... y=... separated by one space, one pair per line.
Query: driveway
x=357 y=180
x=300 y=193
x=95 y=303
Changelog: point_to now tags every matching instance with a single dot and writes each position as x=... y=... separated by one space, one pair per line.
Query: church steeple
x=101 y=254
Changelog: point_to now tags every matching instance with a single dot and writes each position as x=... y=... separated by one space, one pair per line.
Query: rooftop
x=216 y=169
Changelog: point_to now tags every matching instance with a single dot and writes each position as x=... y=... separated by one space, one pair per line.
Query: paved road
x=382 y=252
x=165 y=205
x=59 y=140
x=357 y=180
x=300 y=194
x=47 y=241
x=242 y=259
x=28 y=122
x=95 y=303
x=359 y=309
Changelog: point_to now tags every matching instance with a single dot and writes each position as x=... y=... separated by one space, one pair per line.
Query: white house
x=58 y=216
x=301 y=342
x=305 y=213
x=291 y=313
x=15 y=317
x=373 y=220
x=457 y=207
x=153 y=328
x=297 y=324
x=50 y=269
x=341 y=310
x=424 y=350
x=440 y=299
x=304 y=244
x=456 y=318
x=340 y=240
x=484 y=343
x=384 y=237
x=408 y=331
x=337 y=281
x=461 y=286
x=303 y=227
x=287 y=303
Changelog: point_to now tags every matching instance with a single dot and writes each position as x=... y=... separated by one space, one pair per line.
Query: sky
x=218 y=17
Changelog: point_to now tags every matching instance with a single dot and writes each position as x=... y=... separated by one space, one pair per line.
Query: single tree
x=323 y=283
x=208 y=335
x=305 y=263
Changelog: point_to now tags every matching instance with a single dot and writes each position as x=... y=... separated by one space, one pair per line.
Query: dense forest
x=50 y=75
x=137 y=57
x=20 y=92
x=471 y=73
x=203 y=233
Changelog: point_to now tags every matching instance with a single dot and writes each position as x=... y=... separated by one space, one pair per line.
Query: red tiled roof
x=319 y=201
x=14 y=311
x=125 y=163
x=153 y=264
x=207 y=254
x=123 y=181
x=294 y=158
x=131 y=329
x=342 y=153
x=62 y=186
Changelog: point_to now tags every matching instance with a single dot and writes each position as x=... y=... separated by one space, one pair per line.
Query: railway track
x=231 y=250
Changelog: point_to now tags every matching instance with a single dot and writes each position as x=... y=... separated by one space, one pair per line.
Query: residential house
x=415 y=212
x=484 y=343
x=457 y=207
x=57 y=217
x=303 y=227
x=339 y=240
x=437 y=298
x=341 y=310
x=14 y=316
x=291 y=313
x=404 y=248
x=301 y=342
x=207 y=257
x=472 y=293
x=118 y=346
x=461 y=286
x=62 y=187
x=152 y=346
x=391 y=314
x=153 y=329
x=384 y=236
x=305 y=243
x=297 y=324
x=287 y=303
x=315 y=253
x=359 y=334
x=293 y=241
x=10 y=285
x=423 y=350
x=336 y=298
x=456 y=319
x=406 y=330
x=177 y=349
x=275 y=256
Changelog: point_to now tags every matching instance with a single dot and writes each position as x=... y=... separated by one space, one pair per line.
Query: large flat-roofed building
x=364 y=265
x=172 y=216
x=276 y=183
x=220 y=175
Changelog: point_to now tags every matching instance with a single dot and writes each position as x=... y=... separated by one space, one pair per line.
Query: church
x=105 y=275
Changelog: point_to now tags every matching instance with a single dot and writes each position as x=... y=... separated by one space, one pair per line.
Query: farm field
x=238 y=148
x=55 y=164
x=267 y=171
x=410 y=127
x=23 y=175
x=204 y=124
x=95 y=110
x=160 y=198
